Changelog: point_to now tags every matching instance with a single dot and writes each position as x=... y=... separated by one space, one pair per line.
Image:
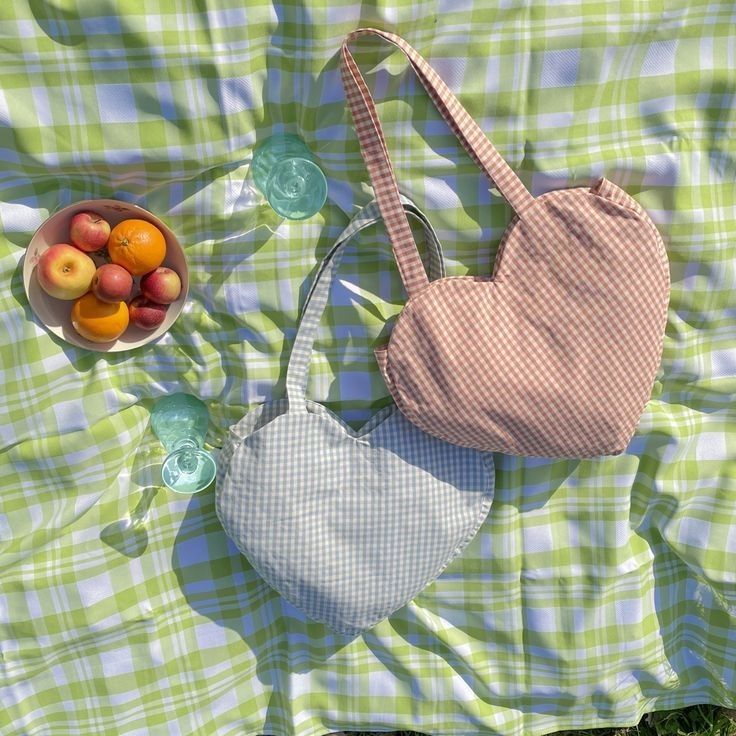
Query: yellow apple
x=65 y=272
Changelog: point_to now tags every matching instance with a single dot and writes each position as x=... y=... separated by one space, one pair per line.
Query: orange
x=136 y=245
x=99 y=321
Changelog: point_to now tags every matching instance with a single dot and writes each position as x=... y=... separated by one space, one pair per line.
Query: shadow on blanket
x=129 y=536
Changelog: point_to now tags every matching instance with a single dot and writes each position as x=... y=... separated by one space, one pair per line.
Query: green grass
x=697 y=720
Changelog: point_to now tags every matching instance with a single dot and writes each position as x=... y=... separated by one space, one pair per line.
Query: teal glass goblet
x=180 y=422
x=285 y=173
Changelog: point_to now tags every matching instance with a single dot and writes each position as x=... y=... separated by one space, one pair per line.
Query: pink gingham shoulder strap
x=378 y=163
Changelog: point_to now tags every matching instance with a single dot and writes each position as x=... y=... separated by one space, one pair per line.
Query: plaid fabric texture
x=595 y=590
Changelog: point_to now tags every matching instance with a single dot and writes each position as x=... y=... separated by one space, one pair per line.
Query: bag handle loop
x=314 y=306
x=375 y=154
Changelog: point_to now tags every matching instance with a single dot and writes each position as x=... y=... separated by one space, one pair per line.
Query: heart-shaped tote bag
x=346 y=525
x=556 y=352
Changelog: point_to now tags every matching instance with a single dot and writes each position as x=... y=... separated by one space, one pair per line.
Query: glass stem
x=185 y=459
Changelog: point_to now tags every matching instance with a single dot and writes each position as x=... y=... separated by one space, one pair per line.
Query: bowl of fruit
x=105 y=275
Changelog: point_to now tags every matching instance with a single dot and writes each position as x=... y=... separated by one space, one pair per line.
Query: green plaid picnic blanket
x=596 y=591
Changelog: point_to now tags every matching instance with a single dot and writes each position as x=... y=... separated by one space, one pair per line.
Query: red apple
x=112 y=283
x=89 y=231
x=65 y=272
x=161 y=285
x=146 y=314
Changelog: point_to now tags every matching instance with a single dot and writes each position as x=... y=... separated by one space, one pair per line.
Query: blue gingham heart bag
x=348 y=525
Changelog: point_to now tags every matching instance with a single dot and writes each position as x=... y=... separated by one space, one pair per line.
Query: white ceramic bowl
x=55 y=314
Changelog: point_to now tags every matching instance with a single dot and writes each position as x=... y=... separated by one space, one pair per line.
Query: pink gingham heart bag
x=554 y=354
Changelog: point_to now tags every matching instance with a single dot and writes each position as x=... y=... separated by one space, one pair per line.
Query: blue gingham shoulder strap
x=314 y=306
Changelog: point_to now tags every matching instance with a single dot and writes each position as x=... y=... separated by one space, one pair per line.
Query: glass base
x=279 y=147
x=296 y=188
x=285 y=173
x=188 y=470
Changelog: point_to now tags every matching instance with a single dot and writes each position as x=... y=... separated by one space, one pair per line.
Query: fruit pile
x=103 y=307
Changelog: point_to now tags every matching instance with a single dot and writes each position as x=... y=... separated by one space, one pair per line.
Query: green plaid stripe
x=595 y=591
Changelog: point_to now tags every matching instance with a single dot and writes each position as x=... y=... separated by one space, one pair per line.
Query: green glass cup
x=285 y=173
x=180 y=422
